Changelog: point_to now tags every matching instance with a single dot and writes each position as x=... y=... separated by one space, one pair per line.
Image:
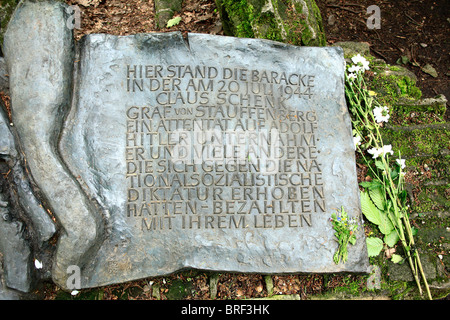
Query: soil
x=415 y=30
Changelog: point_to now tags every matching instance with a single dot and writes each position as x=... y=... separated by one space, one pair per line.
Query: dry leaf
x=389 y=252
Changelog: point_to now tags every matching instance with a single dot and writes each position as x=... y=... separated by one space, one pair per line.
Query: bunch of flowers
x=384 y=200
x=345 y=232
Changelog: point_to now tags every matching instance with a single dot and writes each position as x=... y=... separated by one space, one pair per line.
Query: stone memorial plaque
x=205 y=152
x=213 y=153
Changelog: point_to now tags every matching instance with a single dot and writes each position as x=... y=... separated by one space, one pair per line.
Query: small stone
x=269 y=284
x=331 y=19
x=429 y=69
x=213 y=280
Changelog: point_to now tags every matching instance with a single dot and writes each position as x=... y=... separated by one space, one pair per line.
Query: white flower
x=374 y=152
x=358 y=59
x=351 y=76
x=354 y=68
x=381 y=114
x=365 y=65
x=37 y=264
x=401 y=163
x=387 y=149
x=74 y=292
x=357 y=141
x=381 y=151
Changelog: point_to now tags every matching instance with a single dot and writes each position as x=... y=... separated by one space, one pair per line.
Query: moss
x=285 y=23
x=237 y=16
x=6 y=10
x=392 y=87
x=432 y=199
x=298 y=31
x=426 y=141
x=426 y=111
x=179 y=290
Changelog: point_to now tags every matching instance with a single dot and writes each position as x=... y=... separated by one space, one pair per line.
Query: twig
x=342 y=8
x=378 y=53
x=414 y=21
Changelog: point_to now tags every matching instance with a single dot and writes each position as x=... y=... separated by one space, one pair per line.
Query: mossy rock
x=6 y=10
x=393 y=83
x=424 y=141
x=179 y=290
x=165 y=10
x=352 y=48
x=297 y=22
x=423 y=111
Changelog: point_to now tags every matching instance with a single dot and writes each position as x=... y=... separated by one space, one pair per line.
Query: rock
x=155 y=291
x=374 y=281
x=15 y=251
x=97 y=171
x=213 y=280
x=6 y=9
x=352 y=48
x=165 y=10
x=269 y=284
x=96 y=133
x=42 y=225
x=39 y=52
x=4 y=82
x=428 y=68
x=402 y=272
x=294 y=21
x=7 y=145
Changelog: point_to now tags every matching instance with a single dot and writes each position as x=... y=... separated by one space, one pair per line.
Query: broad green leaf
x=370 y=184
x=374 y=246
x=391 y=239
x=369 y=209
x=377 y=196
x=374 y=215
x=379 y=165
x=394 y=174
x=396 y=258
x=173 y=22
x=385 y=224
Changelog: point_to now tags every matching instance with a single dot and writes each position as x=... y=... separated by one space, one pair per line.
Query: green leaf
x=396 y=258
x=370 y=184
x=377 y=196
x=379 y=165
x=374 y=246
x=385 y=225
x=391 y=239
x=374 y=215
x=370 y=211
x=394 y=174
x=173 y=22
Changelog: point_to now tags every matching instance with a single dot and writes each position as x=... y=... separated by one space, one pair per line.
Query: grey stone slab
x=139 y=98
x=39 y=52
x=42 y=223
x=14 y=251
x=7 y=148
x=156 y=152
